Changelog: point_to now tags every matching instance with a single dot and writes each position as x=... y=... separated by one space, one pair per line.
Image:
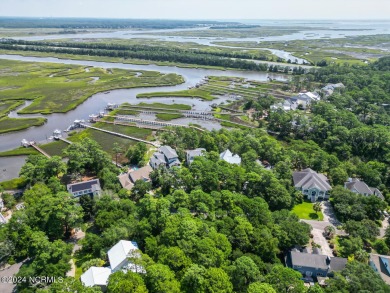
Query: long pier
x=65 y=140
x=119 y=134
x=40 y=150
x=152 y=122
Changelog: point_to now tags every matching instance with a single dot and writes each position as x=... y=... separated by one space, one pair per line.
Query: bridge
x=33 y=144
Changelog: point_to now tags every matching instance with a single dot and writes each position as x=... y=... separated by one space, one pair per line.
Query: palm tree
x=117 y=150
x=317 y=207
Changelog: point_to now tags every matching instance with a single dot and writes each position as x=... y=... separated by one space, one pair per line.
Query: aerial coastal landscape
x=176 y=149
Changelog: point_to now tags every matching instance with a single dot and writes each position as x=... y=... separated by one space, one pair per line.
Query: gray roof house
x=165 y=156
x=91 y=187
x=230 y=158
x=118 y=257
x=381 y=265
x=191 y=154
x=128 y=179
x=314 y=265
x=357 y=186
x=313 y=185
x=330 y=88
x=286 y=105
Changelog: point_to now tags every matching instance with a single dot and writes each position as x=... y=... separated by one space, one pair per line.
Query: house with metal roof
x=166 y=156
x=96 y=276
x=381 y=265
x=357 y=186
x=305 y=99
x=314 y=265
x=191 y=154
x=119 y=256
x=230 y=158
x=286 y=105
x=128 y=179
x=313 y=185
x=91 y=187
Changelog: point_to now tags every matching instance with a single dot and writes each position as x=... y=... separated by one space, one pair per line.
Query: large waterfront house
x=128 y=179
x=357 y=186
x=305 y=99
x=331 y=88
x=166 y=156
x=314 y=265
x=120 y=257
x=91 y=188
x=191 y=154
x=313 y=185
x=230 y=158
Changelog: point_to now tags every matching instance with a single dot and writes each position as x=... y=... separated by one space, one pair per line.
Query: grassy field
x=14 y=124
x=60 y=88
x=16 y=183
x=7 y=106
x=305 y=211
x=191 y=93
x=165 y=106
x=168 y=117
x=54 y=148
x=106 y=140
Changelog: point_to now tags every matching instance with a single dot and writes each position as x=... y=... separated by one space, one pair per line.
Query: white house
x=287 y=105
x=313 y=185
x=96 y=276
x=330 y=88
x=305 y=99
x=91 y=187
x=230 y=158
x=118 y=257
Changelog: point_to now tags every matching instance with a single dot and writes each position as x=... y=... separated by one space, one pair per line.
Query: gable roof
x=312 y=260
x=119 y=253
x=362 y=188
x=168 y=152
x=378 y=263
x=228 y=157
x=307 y=179
x=125 y=181
x=95 y=276
x=75 y=187
x=196 y=152
x=141 y=174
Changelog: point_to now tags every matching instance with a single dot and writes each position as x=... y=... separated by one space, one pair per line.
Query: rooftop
x=168 y=152
x=75 y=187
x=228 y=157
x=120 y=252
x=141 y=174
x=308 y=178
x=96 y=276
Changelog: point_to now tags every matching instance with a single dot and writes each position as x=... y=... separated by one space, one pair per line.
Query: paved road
x=6 y=287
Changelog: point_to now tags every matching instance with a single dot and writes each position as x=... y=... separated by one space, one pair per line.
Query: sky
x=200 y=9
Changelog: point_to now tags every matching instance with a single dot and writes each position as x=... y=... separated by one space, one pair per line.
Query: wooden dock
x=40 y=150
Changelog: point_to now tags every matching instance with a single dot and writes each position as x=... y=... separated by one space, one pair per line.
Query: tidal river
x=98 y=101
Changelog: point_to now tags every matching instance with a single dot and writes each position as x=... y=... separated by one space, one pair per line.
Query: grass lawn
x=54 y=148
x=15 y=124
x=168 y=117
x=305 y=211
x=16 y=183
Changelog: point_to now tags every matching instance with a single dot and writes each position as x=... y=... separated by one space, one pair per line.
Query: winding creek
x=98 y=101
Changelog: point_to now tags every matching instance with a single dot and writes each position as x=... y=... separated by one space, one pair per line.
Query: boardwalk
x=40 y=150
x=65 y=140
x=151 y=122
x=119 y=134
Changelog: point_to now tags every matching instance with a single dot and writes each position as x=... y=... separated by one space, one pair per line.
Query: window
x=320 y=274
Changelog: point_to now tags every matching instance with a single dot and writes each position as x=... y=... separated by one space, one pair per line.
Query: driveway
x=5 y=286
x=319 y=226
x=385 y=224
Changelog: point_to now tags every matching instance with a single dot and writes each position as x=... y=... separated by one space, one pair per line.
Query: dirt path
x=75 y=239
